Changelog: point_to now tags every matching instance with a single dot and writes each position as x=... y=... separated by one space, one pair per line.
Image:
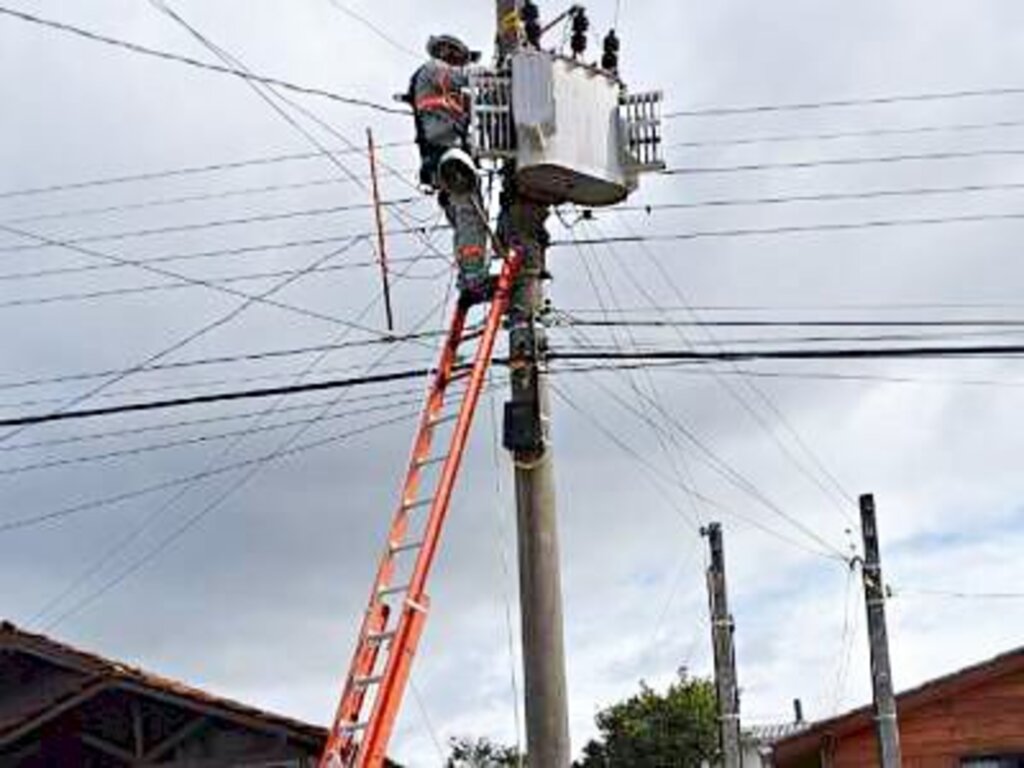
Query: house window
x=993 y=761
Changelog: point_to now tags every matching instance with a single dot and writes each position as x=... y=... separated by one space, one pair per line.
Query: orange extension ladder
x=397 y=611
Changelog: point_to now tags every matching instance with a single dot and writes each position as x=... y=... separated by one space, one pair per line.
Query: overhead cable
x=220 y=397
x=816 y=197
x=34 y=520
x=837 y=135
x=850 y=353
x=920 y=157
x=851 y=102
x=204 y=65
x=795 y=229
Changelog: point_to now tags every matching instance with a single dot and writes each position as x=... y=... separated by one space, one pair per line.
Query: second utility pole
x=527 y=436
x=881 y=672
x=722 y=630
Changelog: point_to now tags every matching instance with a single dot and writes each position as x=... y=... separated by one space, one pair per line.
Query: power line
x=572 y=320
x=843 y=497
x=192 y=170
x=956 y=595
x=64 y=513
x=161 y=202
x=845 y=161
x=851 y=102
x=837 y=307
x=817 y=197
x=188 y=423
x=248 y=277
x=204 y=65
x=221 y=397
x=802 y=229
x=890 y=379
x=233 y=382
x=187 y=525
x=224 y=359
x=167 y=445
x=837 y=135
x=675 y=483
x=262 y=298
x=649 y=357
x=852 y=353
x=281 y=450
x=230 y=59
x=189 y=338
x=198 y=226
x=847 y=338
x=194 y=256
x=376 y=29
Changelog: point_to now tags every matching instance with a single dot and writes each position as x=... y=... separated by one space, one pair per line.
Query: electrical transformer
x=576 y=134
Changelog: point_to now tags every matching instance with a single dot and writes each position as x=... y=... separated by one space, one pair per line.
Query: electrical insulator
x=580 y=27
x=610 y=60
x=531 y=21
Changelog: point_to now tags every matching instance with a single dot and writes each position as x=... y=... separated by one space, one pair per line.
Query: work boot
x=478 y=292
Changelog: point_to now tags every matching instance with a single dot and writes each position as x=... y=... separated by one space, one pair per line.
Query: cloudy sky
x=251 y=584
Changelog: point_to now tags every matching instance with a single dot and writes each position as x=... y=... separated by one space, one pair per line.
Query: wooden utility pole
x=886 y=722
x=722 y=630
x=522 y=226
x=382 y=253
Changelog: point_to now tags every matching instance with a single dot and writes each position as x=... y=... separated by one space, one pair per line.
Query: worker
x=441 y=111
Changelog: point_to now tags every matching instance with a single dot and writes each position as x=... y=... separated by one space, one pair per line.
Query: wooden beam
x=138 y=734
x=52 y=712
x=214 y=709
x=104 y=746
x=184 y=733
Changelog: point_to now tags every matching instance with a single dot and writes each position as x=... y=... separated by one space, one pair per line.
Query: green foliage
x=482 y=753
x=654 y=730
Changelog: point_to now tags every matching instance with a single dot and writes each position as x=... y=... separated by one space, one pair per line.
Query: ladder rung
x=389 y=591
x=431 y=461
x=472 y=333
x=380 y=637
x=459 y=375
x=443 y=419
x=420 y=504
x=353 y=727
x=412 y=545
x=366 y=682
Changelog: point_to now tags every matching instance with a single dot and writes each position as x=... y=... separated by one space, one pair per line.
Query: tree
x=653 y=730
x=482 y=753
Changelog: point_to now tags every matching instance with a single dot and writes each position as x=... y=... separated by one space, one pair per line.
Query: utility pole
x=722 y=630
x=886 y=722
x=527 y=420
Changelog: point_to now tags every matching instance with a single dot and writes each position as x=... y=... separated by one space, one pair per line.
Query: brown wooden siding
x=986 y=719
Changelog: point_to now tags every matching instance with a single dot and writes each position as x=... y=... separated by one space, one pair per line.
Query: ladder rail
x=344 y=746
x=417 y=604
x=377 y=614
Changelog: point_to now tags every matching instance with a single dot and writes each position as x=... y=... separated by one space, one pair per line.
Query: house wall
x=988 y=719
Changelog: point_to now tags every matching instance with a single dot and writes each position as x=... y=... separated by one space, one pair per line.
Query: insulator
x=610 y=60
x=531 y=22
x=580 y=27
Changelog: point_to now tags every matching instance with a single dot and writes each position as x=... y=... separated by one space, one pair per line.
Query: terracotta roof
x=13 y=638
x=934 y=690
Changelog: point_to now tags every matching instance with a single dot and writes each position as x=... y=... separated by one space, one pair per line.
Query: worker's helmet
x=456 y=173
x=451 y=50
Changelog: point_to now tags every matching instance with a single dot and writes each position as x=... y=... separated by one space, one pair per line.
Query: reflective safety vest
x=439 y=105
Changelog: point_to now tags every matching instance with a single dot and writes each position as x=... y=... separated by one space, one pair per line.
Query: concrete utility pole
x=722 y=629
x=886 y=721
x=527 y=436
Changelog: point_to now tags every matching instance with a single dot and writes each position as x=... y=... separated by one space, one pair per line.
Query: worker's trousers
x=472 y=255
